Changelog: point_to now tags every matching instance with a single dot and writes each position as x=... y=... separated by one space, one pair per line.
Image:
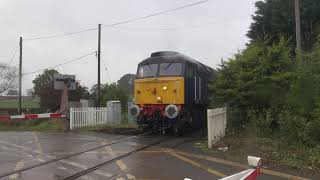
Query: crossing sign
x=62 y=80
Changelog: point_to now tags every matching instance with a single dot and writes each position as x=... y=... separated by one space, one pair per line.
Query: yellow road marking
x=209 y=170
x=119 y=163
x=230 y=163
x=19 y=166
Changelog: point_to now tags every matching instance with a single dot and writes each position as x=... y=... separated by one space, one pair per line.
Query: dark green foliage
x=112 y=92
x=275 y=19
x=276 y=93
x=125 y=83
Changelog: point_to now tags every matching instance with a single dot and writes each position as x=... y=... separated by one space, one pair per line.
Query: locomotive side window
x=149 y=70
x=170 y=69
x=189 y=71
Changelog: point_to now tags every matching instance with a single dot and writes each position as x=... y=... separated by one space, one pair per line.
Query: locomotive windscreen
x=149 y=70
x=170 y=69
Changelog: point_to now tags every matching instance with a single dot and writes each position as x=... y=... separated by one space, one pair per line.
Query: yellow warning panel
x=159 y=90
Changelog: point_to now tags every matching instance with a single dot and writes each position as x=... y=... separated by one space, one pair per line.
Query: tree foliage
x=8 y=77
x=274 y=19
x=112 y=92
x=50 y=99
x=125 y=83
x=278 y=93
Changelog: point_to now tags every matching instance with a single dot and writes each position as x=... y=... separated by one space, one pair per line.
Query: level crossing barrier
x=30 y=116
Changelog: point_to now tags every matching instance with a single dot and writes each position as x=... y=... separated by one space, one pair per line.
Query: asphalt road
x=164 y=161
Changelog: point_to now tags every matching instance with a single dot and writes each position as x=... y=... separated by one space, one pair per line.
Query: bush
x=277 y=93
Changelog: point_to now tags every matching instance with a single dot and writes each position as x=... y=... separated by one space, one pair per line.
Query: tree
x=126 y=83
x=112 y=92
x=50 y=98
x=256 y=80
x=12 y=92
x=274 y=19
x=8 y=77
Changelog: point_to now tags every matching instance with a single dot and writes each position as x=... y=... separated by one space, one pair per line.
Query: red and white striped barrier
x=31 y=116
x=250 y=174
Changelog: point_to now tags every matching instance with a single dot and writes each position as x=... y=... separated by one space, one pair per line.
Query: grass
x=33 y=125
x=34 y=103
x=275 y=152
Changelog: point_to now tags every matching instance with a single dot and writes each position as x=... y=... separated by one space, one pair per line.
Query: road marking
x=209 y=170
x=19 y=165
x=130 y=176
x=53 y=157
x=119 y=163
x=4 y=147
x=81 y=166
x=62 y=168
x=234 y=164
x=36 y=140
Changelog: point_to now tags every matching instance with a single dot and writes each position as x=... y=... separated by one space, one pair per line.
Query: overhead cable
x=67 y=62
x=117 y=23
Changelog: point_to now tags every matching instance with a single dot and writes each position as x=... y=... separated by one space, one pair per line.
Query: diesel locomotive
x=171 y=92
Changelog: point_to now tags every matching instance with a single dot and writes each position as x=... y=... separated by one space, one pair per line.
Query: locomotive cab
x=167 y=89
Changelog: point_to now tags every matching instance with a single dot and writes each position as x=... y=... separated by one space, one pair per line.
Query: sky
x=207 y=32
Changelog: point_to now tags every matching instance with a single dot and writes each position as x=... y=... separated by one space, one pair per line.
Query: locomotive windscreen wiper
x=168 y=66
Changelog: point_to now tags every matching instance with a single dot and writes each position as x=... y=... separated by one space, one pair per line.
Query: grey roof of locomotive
x=172 y=57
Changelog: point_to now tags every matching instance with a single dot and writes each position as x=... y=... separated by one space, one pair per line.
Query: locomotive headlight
x=164 y=88
x=134 y=110
x=171 y=111
x=159 y=98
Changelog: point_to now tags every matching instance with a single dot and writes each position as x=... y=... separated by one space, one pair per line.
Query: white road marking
x=120 y=178
x=62 y=168
x=132 y=143
x=102 y=173
x=36 y=140
x=41 y=160
x=85 y=167
x=4 y=147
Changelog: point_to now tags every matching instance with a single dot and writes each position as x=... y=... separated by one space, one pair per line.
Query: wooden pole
x=20 y=76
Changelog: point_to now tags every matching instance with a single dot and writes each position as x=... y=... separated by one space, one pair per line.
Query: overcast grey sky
x=207 y=32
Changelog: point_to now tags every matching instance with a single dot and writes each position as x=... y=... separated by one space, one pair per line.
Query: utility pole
x=20 y=75
x=99 y=53
x=298 y=26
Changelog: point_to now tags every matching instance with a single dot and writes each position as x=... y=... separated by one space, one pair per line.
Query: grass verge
x=275 y=152
x=33 y=125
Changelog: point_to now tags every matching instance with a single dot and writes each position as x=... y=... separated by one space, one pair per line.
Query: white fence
x=217 y=122
x=88 y=116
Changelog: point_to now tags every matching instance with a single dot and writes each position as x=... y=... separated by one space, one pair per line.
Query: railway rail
x=88 y=150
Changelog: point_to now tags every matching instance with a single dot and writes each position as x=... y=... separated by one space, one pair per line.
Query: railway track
x=81 y=173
